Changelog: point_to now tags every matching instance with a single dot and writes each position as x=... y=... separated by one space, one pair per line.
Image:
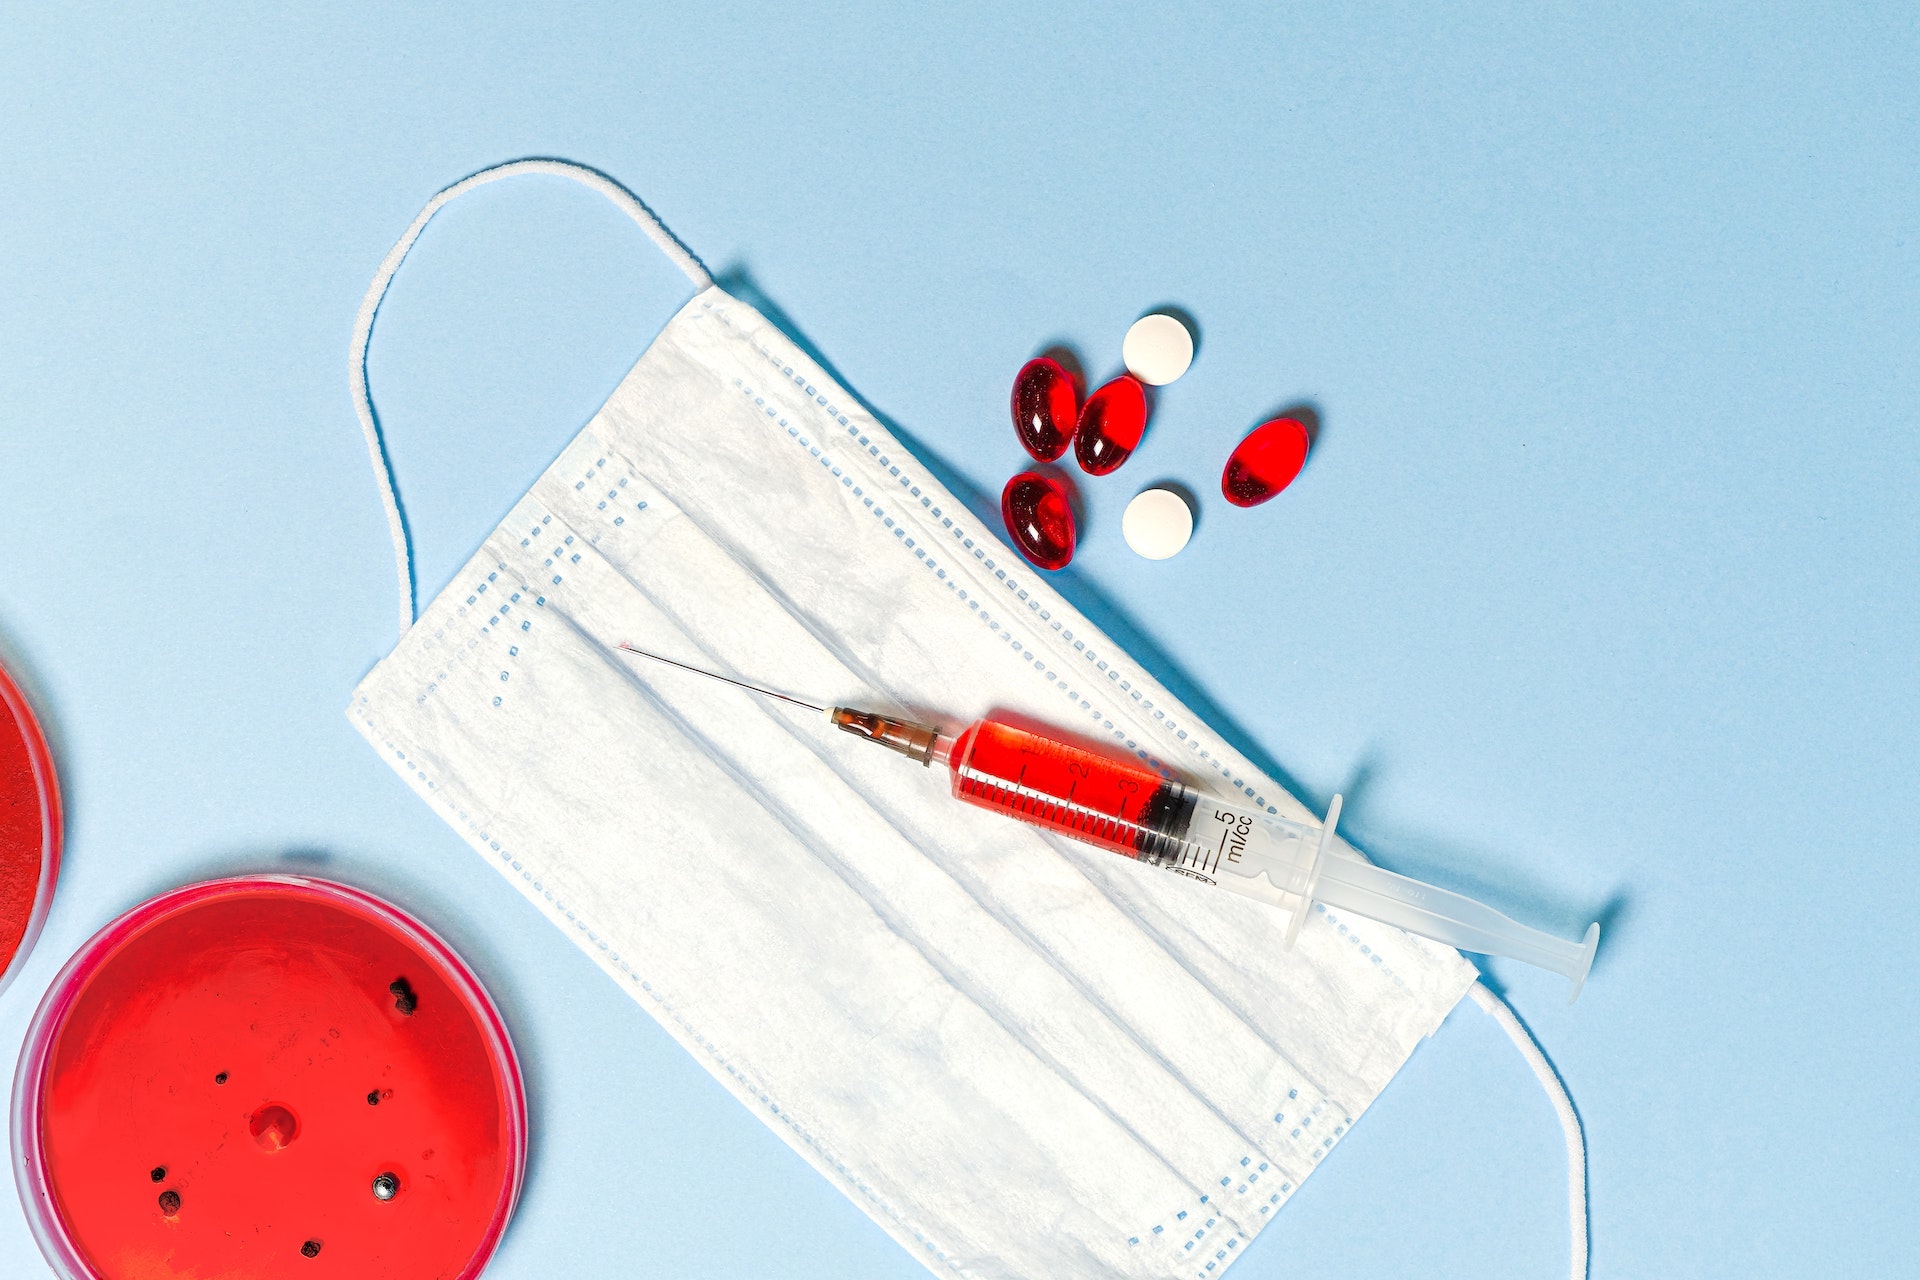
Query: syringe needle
x=714 y=675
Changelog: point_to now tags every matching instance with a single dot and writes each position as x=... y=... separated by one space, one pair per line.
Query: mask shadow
x=1500 y=881
x=738 y=280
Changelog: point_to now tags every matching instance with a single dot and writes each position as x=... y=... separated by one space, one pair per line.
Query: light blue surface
x=1598 y=595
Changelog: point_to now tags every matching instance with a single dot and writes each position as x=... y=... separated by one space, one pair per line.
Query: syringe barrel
x=1130 y=810
x=1121 y=807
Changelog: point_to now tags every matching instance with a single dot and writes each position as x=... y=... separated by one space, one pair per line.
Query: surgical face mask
x=1019 y=1056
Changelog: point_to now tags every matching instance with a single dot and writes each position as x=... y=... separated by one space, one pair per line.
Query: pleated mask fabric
x=1020 y=1056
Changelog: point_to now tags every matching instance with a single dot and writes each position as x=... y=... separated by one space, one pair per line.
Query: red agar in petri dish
x=263 y=1077
x=1046 y=405
x=29 y=829
x=1265 y=462
x=1038 y=519
x=1111 y=424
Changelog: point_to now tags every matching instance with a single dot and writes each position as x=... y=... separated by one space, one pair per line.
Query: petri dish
x=29 y=829
x=268 y=1076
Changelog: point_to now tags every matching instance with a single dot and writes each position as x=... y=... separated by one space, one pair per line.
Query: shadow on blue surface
x=738 y=281
x=1498 y=882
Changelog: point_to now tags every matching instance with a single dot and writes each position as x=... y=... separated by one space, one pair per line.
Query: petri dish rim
x=47 y=784
x=29 y=1163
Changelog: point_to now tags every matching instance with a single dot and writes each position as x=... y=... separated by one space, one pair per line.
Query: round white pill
x=1158 y=349
x=1157 y=524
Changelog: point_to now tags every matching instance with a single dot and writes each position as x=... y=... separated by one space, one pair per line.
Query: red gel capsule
x=1038 y=519
x=1265 y=462
x=1046 y=405
x=1111 y=424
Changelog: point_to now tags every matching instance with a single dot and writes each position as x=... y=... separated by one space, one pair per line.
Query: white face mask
x=1020 y=1056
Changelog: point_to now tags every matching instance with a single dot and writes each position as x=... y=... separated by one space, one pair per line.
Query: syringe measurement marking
x=1203 y=861
x=1090 y=820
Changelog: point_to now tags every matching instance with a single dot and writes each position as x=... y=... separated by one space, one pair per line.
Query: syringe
x=1133 y=811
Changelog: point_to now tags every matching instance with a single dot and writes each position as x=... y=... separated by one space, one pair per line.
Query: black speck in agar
x=221 y=1078
x=311 y=1249
x=373 y=1098
x=169 y=1202
x=403 y=998
x=159 y=1173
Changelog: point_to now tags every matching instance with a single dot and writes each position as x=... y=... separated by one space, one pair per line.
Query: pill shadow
x=1067 y=357
x=1306 y=413
x=737 y=280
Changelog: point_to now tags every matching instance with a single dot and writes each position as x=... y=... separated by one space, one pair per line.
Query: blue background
x=1597 y=596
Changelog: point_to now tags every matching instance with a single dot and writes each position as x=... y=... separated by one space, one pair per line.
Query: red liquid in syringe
x=1118 y=806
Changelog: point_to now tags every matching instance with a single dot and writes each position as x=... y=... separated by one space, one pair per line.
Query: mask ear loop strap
x=628 y=203
x=1556 y=1090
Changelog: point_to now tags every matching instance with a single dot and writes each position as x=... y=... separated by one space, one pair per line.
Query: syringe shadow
x=1501 y=882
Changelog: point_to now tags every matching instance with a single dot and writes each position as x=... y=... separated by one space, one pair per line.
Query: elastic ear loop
x=1556 y=1089
x=629 y=203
